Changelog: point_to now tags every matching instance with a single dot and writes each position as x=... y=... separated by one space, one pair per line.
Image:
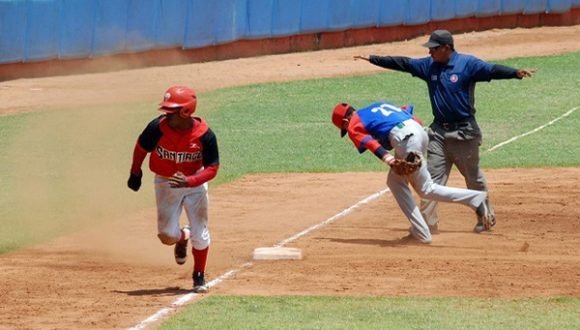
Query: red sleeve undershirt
x=362 y=139
x=203 y=176
x=139 y=155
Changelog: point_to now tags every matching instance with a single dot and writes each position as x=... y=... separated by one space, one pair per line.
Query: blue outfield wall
x=36 y=30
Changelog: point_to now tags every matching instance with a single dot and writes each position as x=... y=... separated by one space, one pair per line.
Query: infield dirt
x=116 y=276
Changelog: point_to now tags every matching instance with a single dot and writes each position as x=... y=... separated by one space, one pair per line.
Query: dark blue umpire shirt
x=451 y=85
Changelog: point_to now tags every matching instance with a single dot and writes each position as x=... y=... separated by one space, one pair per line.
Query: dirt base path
x=531 y=251
x=116 y=276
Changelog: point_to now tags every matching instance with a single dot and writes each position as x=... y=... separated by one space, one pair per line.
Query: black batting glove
x=134 y=182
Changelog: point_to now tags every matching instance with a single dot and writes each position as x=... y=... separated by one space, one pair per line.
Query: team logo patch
x=178 y=157
x=166 y=97
x=454 y=78
x=434 y=77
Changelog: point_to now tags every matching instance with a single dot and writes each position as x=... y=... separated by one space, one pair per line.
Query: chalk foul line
x=566 y=114
x=333 y=218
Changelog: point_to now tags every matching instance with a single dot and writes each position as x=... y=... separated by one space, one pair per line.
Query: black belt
x=453 y=126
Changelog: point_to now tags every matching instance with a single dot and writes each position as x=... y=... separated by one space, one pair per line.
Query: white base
x=277 y=253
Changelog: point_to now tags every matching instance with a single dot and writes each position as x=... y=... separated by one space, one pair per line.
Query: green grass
x=511 y=108
x=285 y=127
x=226 y=312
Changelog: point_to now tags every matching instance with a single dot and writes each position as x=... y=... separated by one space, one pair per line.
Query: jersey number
x=386 y=109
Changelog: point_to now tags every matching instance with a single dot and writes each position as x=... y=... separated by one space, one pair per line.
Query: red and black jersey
x=184 y=151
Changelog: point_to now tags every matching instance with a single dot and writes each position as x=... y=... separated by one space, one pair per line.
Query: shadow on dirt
x=174 y=291
x=403 y=241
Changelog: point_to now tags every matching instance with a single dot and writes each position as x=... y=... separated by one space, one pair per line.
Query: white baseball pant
x=412 y=137
x=170 y=203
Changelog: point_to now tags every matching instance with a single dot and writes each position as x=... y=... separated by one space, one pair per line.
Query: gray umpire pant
x=453 y=145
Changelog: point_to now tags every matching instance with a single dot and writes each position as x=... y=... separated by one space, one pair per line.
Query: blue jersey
x=380 y=118
x=451 y=85
x=375 y=122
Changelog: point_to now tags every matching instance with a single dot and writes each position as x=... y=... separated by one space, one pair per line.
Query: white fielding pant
x=412 y=137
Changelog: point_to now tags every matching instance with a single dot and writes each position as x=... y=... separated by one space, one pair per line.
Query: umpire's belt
x=453 y=126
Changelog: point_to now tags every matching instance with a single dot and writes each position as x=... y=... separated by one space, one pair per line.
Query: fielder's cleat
x=199 y=285
x=180 y=250
x=414 y=237
x=485 y=218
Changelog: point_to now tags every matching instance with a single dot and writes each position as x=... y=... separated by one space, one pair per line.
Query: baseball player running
x=382 y=126
x=184 y=157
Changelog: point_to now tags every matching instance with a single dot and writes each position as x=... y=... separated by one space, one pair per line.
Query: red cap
x=338 y=115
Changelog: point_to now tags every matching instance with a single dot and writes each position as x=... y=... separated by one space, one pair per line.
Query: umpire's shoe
x=180 y=250
x=485 y=217
x=199 y=285
x=434 y=229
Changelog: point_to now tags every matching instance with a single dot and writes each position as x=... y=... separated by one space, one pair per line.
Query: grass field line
x=566 y=114
x=182 y=300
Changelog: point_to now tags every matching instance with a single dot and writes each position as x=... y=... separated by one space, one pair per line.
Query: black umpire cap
x=439 y=38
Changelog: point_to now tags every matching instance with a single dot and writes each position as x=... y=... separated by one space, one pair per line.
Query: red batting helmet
x=338 y=114
x=179 y=98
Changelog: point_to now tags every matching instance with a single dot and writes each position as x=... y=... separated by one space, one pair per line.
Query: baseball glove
x=408 y=165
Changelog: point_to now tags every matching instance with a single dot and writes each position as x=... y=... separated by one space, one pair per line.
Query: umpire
x=454 y=135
